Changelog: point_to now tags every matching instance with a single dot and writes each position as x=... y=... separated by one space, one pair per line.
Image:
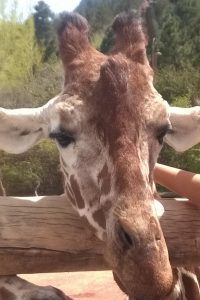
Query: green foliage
x=97 y=39
x=180 y=88
x=189 y=160
x=179 y=36
x=173 y=83
x=44 y=29
x=19 y=53
x=21 y=174
x=100 y=15
x=181 y=102
x=175 y=22
x=42 y=86
x=108 y=41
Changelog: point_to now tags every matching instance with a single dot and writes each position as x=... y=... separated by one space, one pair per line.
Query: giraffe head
x=113 y=122
x=108 y=123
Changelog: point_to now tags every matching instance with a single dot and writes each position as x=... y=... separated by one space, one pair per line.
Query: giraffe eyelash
x=63 y=137
x=162 y=131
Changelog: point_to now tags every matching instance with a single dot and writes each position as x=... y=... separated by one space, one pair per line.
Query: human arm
x=184 y=183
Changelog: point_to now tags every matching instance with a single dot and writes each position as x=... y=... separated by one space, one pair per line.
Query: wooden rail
x=44 y=234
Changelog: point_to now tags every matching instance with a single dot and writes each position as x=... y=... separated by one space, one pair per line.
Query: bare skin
x=185 y=184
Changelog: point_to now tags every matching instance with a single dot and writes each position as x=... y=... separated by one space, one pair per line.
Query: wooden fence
x=44 y=234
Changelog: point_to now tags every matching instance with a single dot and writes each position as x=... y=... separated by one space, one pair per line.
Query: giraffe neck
x=15 y=288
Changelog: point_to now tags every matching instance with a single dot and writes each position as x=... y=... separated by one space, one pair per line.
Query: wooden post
x=44 y=234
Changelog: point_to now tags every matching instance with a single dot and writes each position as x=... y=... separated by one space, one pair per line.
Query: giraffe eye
x=162 y=131
x=64 y=140
x=160 y=137
x=63 y=137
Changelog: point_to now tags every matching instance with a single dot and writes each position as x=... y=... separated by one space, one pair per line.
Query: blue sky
x=26 y=6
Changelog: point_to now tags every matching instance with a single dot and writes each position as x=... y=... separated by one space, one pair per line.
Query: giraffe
x=109 y=123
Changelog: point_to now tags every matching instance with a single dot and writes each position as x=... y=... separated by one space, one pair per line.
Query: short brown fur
x=121 y=86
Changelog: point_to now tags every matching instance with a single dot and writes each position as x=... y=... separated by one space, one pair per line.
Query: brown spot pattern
x=120 y=98
x=105 y=176
x=6 y=294
x=191 y=289
x=100 y=218
x=75 y=187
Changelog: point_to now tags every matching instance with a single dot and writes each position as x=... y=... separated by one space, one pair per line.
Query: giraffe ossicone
x=108 y=123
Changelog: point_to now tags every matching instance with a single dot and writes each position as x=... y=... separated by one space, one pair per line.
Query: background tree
x=179 y=31
x=44 y=29
x=27 y=80
x=16 y=38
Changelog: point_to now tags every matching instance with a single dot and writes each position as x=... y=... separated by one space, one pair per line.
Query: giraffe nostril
x=125 y=238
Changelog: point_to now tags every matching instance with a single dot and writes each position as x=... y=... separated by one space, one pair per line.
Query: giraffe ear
x=72 y=32
x=22 y=128
x=185 y=128
x=130 y=38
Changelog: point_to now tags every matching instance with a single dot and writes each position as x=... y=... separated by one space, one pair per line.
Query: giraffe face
x=108 y=147
x=113 y=134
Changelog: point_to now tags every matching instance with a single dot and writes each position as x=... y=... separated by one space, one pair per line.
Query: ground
x=81 y=285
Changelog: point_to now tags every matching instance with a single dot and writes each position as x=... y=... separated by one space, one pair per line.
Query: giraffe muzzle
x=137 y=253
